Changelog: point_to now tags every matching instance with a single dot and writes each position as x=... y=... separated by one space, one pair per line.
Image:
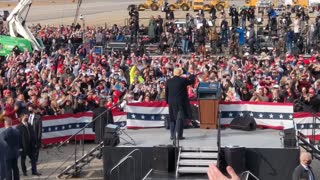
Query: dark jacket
x=177 y=96
x=300 y=173
x=3 y=150
x=11 y=137
x=27 y=138
x=37 y=128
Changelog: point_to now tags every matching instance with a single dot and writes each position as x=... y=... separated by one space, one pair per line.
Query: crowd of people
x=68 y=76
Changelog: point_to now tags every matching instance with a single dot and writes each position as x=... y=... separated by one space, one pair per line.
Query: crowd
x=68 y=76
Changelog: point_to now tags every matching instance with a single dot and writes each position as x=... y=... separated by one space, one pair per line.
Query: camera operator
x=233 y=13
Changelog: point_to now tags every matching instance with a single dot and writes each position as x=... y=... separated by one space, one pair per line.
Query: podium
x=209 y=95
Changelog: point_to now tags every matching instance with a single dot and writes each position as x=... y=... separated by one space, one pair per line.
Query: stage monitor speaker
x=236 y=158
x=289 y=138
x=111 y=135
x=246 y=123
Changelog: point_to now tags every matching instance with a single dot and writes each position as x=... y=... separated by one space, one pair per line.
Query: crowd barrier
x=153 y=115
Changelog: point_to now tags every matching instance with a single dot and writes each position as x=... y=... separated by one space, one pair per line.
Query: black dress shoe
x=181 y=138
x=36 y=174
x=25 y=174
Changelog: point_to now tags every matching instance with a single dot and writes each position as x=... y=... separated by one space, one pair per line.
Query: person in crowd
x=176 y=98
x=303 y=170
x=28 y=144
x=224 y=31
x=11 y=137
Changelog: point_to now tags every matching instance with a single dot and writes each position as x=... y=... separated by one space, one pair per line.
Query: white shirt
x=30 y=119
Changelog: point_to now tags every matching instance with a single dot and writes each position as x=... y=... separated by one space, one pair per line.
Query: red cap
x=311 y=91
x=38 y=84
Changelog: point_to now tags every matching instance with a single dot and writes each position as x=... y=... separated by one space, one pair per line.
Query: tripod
x=131 y=141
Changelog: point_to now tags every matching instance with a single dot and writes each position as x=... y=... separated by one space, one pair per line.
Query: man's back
x=11 y=137
x=176 y=89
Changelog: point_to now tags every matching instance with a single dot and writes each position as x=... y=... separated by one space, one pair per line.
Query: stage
x=265 y=155
x=206 y=138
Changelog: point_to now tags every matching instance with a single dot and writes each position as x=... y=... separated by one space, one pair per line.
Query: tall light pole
x=83 y=27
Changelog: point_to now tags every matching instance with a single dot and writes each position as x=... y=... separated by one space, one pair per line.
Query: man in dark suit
x=28 y=144
x=101 y=117
x=177 y=98
x=35 y=121
x=303 y=171
x=11 y=137
x=3 y=150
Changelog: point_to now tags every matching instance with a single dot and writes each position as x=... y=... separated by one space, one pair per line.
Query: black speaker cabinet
x=236 y=158
x=246 y=123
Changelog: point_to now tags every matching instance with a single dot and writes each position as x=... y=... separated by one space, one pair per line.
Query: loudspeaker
x=289 y=138
x=234 y=157
x=163 y=158
x=246 y=123
x=111 y=135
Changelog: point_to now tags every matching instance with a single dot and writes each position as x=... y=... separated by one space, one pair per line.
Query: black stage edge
x=160 y=158
x=265 y=163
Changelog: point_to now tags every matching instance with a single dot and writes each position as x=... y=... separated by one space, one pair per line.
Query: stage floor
x=266 y=138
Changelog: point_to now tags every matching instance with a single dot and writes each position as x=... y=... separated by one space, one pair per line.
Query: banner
x=305 y=124
x=146 y=115
x=267 y=115
x=56 y=129
x=152 y=115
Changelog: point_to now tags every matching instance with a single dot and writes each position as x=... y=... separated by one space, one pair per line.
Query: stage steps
x=75 y=168
x=195 y=160
x=309 y=146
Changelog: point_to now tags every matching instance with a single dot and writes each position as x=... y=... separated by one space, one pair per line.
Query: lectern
x=209 y=94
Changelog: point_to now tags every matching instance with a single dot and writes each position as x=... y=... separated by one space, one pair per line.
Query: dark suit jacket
x=37 y=128
x=27 y=138
x=100 y=123
x=3 y=152
x=11 y=137
x=177 y=96
x=300 y=173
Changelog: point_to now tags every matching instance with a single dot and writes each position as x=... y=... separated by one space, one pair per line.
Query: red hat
x=6 y=92
x=311 y=91
x=304 y=75
x=128 y=62
x=38 y=84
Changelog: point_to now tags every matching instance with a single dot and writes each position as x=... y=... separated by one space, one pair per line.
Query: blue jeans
x=243 y=23
x=185 y=46
x=224 y=36
x=289 y=47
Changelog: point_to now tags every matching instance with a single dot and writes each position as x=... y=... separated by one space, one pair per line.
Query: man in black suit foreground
x=3 y=150
x=28 y=144
x=10 y=136
x=177 y=98
x=303 y=171
x=35 y=121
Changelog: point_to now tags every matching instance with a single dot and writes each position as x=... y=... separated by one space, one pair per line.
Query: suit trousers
x=176 y=127
x=32 y=158
x=12 y=169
